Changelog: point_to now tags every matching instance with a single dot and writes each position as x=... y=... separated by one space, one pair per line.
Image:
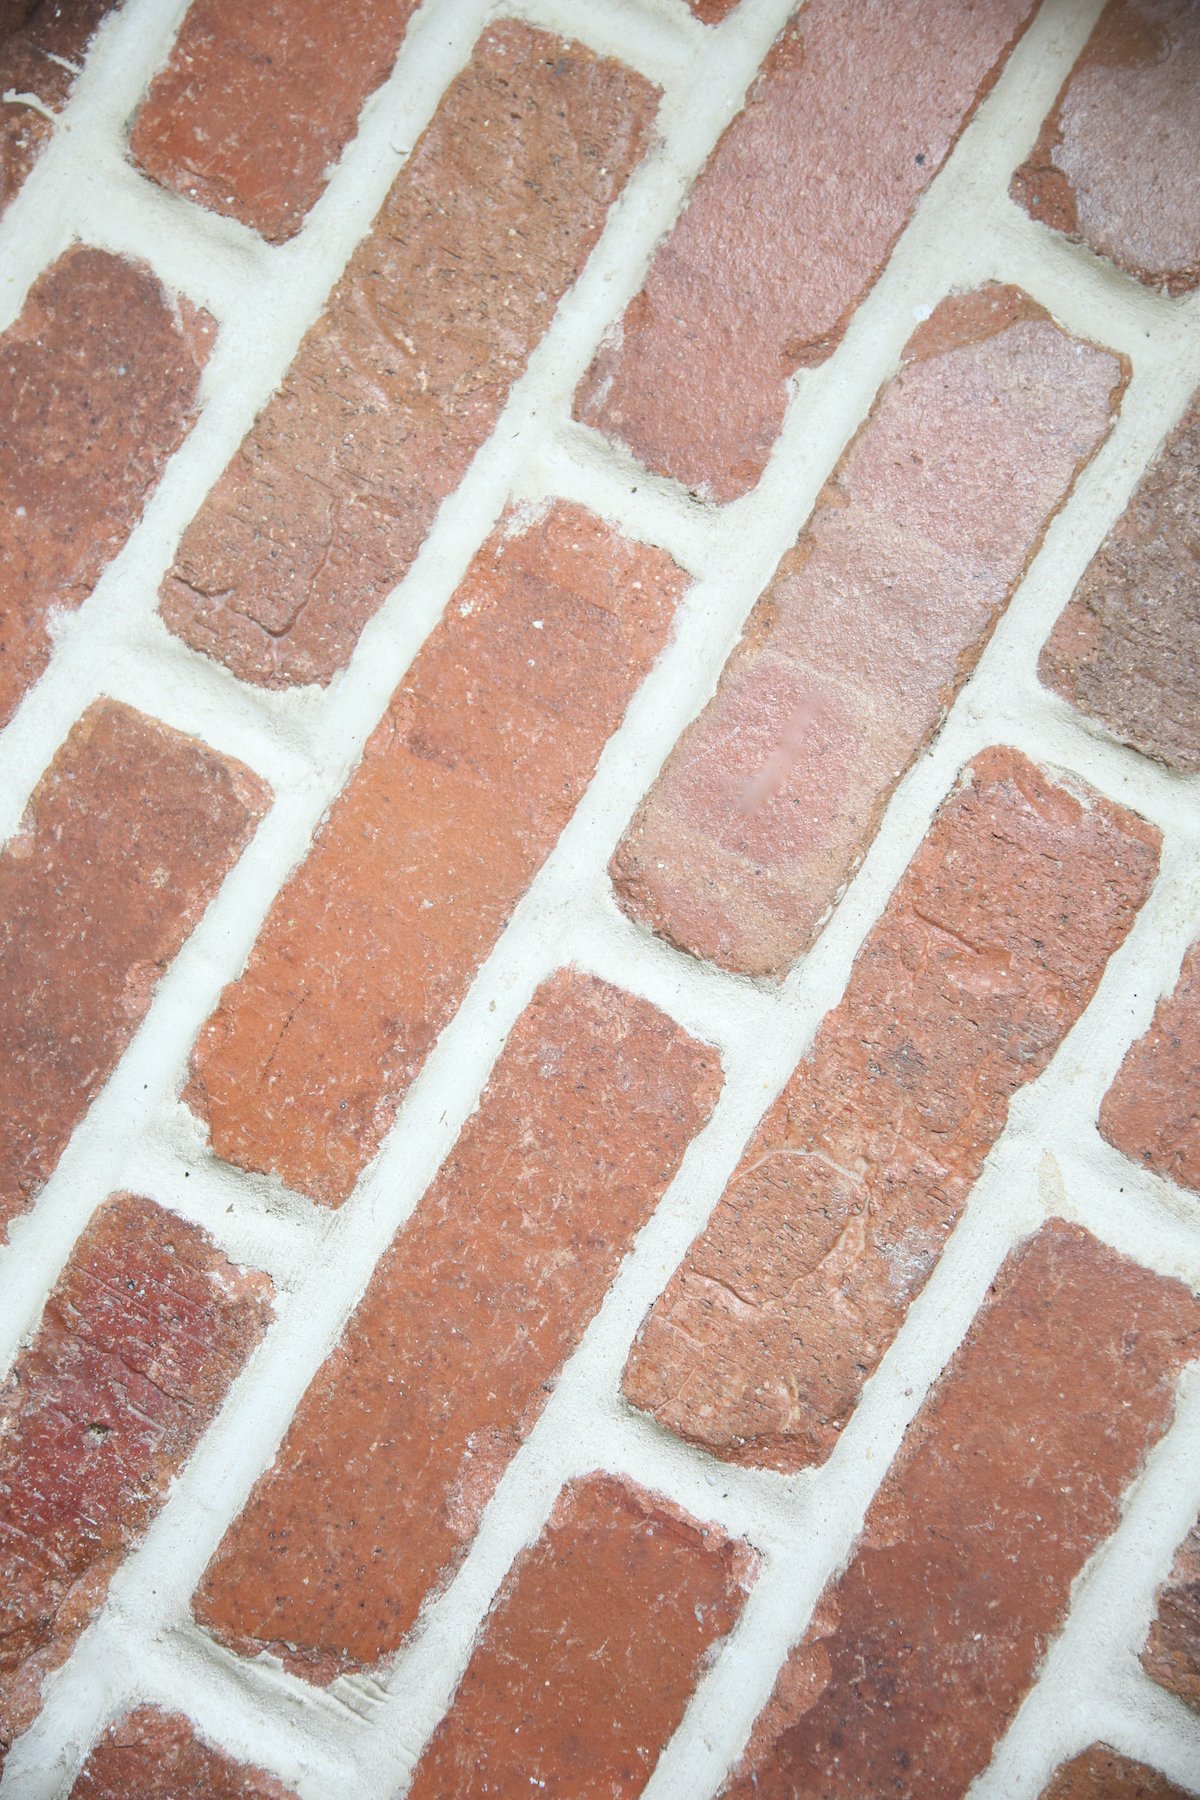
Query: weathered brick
x=591 y=1651
x=1100 y=1773
x=1150 y=1110
x=711 y=12
x=152 y=1755
x=1117 y=164
x=461 y=793
x=124 y=843
x=1172 y=1652
x=1127 y=648
x=855 y=110
x=230 y=121
x=140 y=1339
x=41 y=44
x=98 y=384
x=1011 y=1476
x=869 y=628
x=399 y=382
x=990 y=948
x=376 y=1493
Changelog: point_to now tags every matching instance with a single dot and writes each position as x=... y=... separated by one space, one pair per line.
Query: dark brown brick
x=152 y=1755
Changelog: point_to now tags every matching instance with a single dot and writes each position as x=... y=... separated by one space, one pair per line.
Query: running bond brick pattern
x=42 y=42
x=1172 y=1652
x=460 y=795
x=142 y=1335
x=98 y=385
x=1010 y=1477
x=1102 y=1774
x=871 y=625
x=590 y=1654
x=593 y=1102
x=1151 y=1110
x=150 y=1755
x=124 y=843
x=1118 y=160
x=989 y=950
x=396 y=386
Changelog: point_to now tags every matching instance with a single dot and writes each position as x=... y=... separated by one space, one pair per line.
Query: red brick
x=98 y=385
x=1127 y=648
x=376 y=1493
x=1117 y=165
x=40 y=41
x=1172 y=1652
x=1150 y=1110
x=461 y=793
x=1012 y=1475
x=711 y=12
x=869 y=628
x=152 y=1755
x=1102 y=1774
x=399 y=382
x=854 y=112
x=591 y=1651
x=124 y=843
x=144 y=1331
x=230 y=120
x=987 y=953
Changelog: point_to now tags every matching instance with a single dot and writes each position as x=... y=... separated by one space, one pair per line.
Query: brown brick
x=141 y=1336
x=1117 y=165
x=1172 y=1653
x=461 y=793
x=1013 y=1473
x=1127 y=648
x=854 y=112
x=152 y=1755
x=98 y=384
x=987 y=953
x=376 y=1493
x=591 y=1651
x=866 y=633
x=1150 y=1111
x=399 y=382
x=230 y=120
x=40 y=43
x=124 y=843
x=1100 y=1773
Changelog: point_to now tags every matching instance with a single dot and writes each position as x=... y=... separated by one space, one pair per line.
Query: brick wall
x=601 y=873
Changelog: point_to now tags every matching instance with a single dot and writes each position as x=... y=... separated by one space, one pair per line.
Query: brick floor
x=600 y=834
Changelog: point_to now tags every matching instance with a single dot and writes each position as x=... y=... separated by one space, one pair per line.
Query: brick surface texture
x=143 y=1333
x=1102 y=1774
x=151 y=1754
x=1172 y=1652
x=42 y=43
x=1151 y=1112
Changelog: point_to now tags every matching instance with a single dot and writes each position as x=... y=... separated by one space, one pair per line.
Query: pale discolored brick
x=152 y=1755
x=1172 y=1651
x=1099 y=1773
x=1150 y=1112
x=42 y=44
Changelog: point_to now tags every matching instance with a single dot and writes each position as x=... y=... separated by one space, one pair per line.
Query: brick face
x=870 y=627
x=1172 y=1651
x=591 y=1651
x=399 y=382
x=1099 y=1773
x=1117 y=164
x=460 y=795
x=1010 y=1477
x=41 y=42
x=98 y=385
x=124 y=843
x=987 y=953
x=1150 y=1111
x=379 y=1485
x=230 y=121
x=152 y=1755
x=854 y=111
x=144 y=1331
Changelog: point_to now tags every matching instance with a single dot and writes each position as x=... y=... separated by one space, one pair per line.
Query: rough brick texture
x=987 y=953
x=854 y=111
x=591 y=1652
x=711 y=12
x=152 y=1755
x=869 y=628
x=378 y=1488
x=98 y=385
x=1101 y=1774
x=144 y=1331
x=124 y=842
x=462 y=791
x=230 y=120
x=1127 y=648
x=1172 y=1652
x=1117 y=165
x=327 y=502
x=41 y=43
x=1011 y=1476
x=1150 y=1112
